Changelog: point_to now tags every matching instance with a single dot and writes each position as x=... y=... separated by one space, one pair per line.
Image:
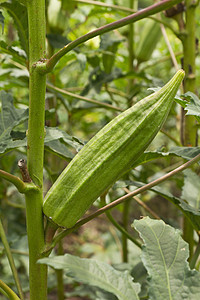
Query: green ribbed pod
x=108 y=155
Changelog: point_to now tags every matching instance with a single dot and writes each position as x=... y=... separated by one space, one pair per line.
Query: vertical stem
x=189 y=50
x=35 y=149
x=195 y=257
x=189 y=130
x=59 y=275
x=125 y=218
x=131 y=39
x=132 y=5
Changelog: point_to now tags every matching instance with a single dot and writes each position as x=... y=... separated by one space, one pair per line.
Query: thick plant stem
x=189 y=51
x=35 y=149
x=189 y=126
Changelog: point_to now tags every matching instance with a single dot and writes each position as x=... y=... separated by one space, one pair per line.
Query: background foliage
x=88 y=87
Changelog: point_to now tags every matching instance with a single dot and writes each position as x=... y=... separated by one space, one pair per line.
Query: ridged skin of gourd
x=108 y=155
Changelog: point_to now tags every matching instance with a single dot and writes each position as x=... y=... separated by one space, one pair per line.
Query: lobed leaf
x=96 y=273
x=191 y=104
x=165 y=256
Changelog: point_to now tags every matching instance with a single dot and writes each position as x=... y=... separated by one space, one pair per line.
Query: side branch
x=8 y=292
x=153 y=9
x=20 y=185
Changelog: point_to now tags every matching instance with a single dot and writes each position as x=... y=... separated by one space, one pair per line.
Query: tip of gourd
x=181 y=72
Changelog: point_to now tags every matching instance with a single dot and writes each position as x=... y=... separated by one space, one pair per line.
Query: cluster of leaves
x=99 y=70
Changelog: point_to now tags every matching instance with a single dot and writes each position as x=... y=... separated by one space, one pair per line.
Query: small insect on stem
x=24 y=171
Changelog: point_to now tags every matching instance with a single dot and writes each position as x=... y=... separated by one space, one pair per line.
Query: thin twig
x=173 y=57
x=141 y=203
x=144 y=13
x=66 y=93
x=124 y=9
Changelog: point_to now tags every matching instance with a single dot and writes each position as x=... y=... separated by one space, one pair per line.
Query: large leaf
x=19 y=14
x=10 y=117
x=96 y=273
x=165 y=256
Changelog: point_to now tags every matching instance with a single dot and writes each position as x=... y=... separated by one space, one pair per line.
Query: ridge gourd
x=108 y=155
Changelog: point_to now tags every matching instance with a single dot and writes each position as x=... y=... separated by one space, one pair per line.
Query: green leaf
x=191 y=189
x=193 y=107
x=19 y=14
x=185 y=152
x=58 y=148
x=56 y=140
x=165 y=256
x=180 y=101
x=54 y=133
x=10 y=117
x=149 y=156
x=190 y=103
x=96 y=273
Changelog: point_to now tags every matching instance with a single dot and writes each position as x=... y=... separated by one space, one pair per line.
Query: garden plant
x=99 y=118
